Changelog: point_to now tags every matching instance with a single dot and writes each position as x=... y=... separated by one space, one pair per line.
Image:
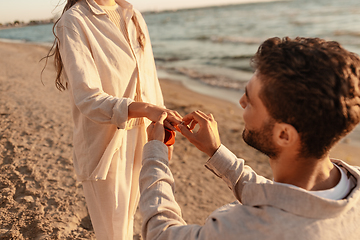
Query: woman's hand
x=153 y=113
x=173 y=118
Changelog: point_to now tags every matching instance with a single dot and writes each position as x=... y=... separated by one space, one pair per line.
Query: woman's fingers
x=162 y=117
x=169 y=125
x=174 y=118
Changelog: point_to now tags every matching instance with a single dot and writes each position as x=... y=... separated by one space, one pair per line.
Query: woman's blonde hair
x=55 y=51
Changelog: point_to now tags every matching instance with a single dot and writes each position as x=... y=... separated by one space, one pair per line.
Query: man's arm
x=161 y=213
x=232 y=170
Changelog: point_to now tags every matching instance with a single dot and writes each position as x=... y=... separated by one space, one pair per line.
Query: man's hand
x=156 y=129
x=206 y=139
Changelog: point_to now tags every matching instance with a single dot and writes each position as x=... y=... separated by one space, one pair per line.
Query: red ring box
x=169 y=137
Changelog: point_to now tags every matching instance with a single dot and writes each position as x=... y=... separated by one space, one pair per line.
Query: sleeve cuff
x=221 y=161
x=121 y=110
x=155 y=150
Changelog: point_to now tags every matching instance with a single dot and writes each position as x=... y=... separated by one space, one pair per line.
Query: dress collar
x=97 y=10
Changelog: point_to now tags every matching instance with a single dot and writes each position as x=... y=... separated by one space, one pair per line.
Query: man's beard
x=262 y=139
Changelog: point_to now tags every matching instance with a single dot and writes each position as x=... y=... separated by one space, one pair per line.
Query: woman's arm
x=153 y=113
x=86 y=86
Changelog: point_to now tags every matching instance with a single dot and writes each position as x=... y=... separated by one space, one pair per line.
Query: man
x=303 y=98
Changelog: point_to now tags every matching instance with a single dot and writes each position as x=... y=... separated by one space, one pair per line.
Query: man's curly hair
x=313 y=85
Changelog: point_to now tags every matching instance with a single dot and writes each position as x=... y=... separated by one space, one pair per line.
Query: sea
x=208 y=49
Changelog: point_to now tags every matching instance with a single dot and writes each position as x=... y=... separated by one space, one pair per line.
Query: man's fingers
x=193 y=124
x=155 y=130
x=198 y=116
x=150 y=127
x=203 y=115
x=185 y=131
x=211 y=117
x=188 y=118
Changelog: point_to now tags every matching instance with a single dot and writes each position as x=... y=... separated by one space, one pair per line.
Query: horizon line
x=210 y=6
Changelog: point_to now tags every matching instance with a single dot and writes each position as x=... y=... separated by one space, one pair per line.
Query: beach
x=39 y=195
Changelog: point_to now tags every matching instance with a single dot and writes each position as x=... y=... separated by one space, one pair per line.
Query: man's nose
x=242 y=101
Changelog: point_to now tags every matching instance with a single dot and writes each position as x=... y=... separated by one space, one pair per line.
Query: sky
x=26 y=10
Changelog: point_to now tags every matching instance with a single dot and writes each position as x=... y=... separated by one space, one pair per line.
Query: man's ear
x=285 y=135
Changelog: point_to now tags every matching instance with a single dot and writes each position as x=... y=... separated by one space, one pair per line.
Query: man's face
x=258 y=130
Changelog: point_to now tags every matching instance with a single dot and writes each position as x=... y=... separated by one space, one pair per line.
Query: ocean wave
x=236 y=57
x=12 y=40
x=211 y=79
x=346 y=33
x=203 y=38
x=230 y=39
x=171 y=59
x=24 y=41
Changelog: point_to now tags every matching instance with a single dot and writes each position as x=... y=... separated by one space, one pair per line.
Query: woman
x=104 y=59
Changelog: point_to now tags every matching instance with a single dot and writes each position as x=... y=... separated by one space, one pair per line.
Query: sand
x=39 y=195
